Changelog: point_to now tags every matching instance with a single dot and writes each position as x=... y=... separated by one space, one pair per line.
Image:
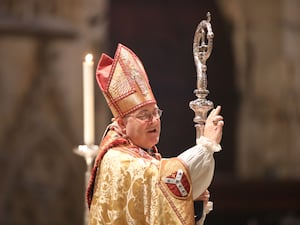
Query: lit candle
x=88 y=100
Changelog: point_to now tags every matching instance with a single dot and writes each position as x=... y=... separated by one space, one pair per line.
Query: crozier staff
x=130 y=182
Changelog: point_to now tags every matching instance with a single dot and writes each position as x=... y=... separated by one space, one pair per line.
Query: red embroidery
x=178 y=183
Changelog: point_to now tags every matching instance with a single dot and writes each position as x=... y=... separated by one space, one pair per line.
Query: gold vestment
x=131 y=187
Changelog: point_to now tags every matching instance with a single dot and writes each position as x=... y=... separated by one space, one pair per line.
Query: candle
x=88 y=100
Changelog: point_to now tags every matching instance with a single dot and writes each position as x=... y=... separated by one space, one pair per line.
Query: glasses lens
x=146 y=116
x=157 y=113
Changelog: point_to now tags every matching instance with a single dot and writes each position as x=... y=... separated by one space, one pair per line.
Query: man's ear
x=121 y=122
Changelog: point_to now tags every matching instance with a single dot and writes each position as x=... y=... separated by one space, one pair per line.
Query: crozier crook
x=202 y=47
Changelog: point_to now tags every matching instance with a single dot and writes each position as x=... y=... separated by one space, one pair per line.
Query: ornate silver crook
x=202 y=51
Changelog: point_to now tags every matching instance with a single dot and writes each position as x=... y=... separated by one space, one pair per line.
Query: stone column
x=266 y=36
x=42 y=46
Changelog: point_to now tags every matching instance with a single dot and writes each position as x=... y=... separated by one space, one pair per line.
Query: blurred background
x=253 y=72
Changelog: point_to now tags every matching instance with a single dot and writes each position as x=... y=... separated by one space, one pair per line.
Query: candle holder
x=89 y=152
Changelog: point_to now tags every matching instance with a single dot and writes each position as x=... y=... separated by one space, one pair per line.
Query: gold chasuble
x=129 y=186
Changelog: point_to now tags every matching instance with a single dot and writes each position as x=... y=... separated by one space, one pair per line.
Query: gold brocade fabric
x=130 y=189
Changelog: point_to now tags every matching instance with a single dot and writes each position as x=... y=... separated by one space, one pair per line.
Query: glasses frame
x=147 y=116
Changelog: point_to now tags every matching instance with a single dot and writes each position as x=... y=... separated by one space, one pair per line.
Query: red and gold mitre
x=124 y=82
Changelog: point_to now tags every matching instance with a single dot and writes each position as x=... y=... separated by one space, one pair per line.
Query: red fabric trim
x=173 y=188
x=108 y=142
x=103 y=72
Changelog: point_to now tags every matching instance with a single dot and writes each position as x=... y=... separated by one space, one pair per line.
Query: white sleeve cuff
x=209 y=144
x=201 y=164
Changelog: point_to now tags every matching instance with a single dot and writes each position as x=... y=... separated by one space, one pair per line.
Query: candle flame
x=89 y=58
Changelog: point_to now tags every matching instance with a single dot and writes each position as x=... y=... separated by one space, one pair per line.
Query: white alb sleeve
x=201 y=164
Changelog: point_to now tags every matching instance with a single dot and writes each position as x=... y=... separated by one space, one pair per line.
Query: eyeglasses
x=147 y=115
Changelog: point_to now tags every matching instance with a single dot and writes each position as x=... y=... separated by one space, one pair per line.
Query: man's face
x=143 y=126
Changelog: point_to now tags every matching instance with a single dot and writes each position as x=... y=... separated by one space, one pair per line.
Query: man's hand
x=214 y=125
x=204 y=196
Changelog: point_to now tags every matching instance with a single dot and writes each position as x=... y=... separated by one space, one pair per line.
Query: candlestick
x=88 y=100
x=89 y=152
